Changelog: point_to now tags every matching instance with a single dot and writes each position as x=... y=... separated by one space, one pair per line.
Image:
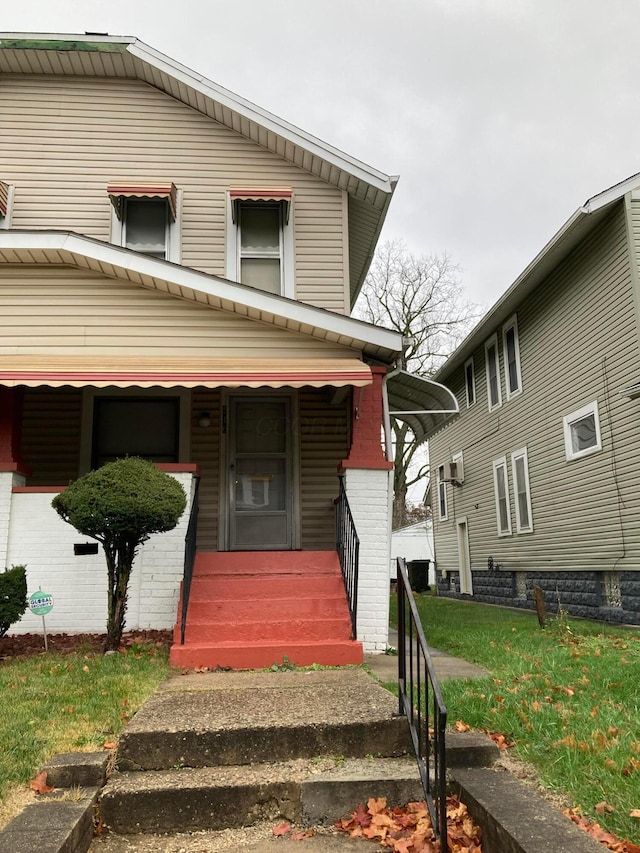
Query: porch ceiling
x=423 y=404
x=188 y=372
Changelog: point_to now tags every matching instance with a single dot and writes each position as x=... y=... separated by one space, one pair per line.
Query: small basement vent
x=610 y=589
x=521 y=585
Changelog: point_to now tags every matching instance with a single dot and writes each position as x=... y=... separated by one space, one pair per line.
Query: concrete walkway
x=385 y=667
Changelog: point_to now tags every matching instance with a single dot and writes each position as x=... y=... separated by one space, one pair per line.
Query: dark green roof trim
x=50 y=44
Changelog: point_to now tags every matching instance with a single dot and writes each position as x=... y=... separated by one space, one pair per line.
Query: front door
x=260 y=468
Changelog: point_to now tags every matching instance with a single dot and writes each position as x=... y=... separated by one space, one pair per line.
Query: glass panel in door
x=260 y=474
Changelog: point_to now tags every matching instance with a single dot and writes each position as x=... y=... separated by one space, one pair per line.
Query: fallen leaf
x=634 y=813
x=281 y=829
x=461 y=727
x=603 y=808
x=39 y=783
x=109 y=744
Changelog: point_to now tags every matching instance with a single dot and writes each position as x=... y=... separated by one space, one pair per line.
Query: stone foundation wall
x=605 y=596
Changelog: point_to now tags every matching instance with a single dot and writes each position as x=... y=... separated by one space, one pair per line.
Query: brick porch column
x=367 y=483
x=12 y=470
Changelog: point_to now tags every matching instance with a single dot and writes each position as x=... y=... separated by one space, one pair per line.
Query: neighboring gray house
x=536 y=480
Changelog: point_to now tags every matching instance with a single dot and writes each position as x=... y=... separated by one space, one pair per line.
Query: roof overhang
x=63 y=248
x=423 y=404
x=106 y=371
x=573 y=232
x=126 y=56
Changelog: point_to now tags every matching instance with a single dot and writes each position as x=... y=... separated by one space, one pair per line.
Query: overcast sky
x=500 y=116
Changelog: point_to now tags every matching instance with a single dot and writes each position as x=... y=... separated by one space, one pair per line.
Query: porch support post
x=12 y=471
x=367 y=483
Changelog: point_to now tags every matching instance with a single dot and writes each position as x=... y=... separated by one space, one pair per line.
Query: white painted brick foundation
x=368 y=495
x=38 y=538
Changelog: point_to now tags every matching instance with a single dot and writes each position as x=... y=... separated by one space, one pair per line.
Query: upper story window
x=470 y=382
x=260 y=239
x=146 y=219
x=260 y=245
x=511 y=355
x=6 y=204
x=582 y=432
x=494 y=393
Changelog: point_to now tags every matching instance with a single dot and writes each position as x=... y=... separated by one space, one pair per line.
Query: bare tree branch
x=420 y=296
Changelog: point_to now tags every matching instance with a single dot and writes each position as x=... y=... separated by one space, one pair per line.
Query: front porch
x=270 y=475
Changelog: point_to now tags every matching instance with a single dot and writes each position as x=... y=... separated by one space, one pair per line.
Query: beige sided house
x=536 y=480
x=177 y=271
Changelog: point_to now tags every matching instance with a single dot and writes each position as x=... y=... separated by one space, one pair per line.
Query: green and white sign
x=40 y=603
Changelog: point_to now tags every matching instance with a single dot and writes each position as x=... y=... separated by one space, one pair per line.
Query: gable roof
x=581 y=223
x=97 y=55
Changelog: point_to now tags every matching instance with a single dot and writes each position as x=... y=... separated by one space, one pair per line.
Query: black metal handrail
x=419 y=692
x=348 y=548
x=190 y=542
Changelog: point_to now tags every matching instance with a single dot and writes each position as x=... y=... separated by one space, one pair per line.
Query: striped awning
x=4 y=198
x=102 y=371
x=118 y=191
x=280 y=194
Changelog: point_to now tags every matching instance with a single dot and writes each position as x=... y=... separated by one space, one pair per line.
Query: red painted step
x=260 y=655
x=255 y=609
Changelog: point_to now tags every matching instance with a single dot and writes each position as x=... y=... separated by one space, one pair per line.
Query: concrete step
x=206 y=719
x=261 y=654
x=268 y=629
x=236 y=587
x=250 y=609
x=266 y=562
x=227 y=797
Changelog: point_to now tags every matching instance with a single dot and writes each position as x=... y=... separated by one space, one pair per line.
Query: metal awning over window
x=266 y=194
x=425 y=405
x=4 y=198
x=117 y=192
x=188 y=372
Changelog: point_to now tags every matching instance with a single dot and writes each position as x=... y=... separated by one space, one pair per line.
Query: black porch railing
x=348 y=548
x=420 y=700
x=189 y=558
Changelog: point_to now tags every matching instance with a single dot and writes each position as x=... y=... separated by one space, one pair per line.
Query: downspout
x=388 y=444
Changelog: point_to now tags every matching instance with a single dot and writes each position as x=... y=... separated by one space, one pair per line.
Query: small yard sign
x=41 y=603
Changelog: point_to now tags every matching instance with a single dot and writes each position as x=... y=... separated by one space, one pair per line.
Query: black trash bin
x=419 y=575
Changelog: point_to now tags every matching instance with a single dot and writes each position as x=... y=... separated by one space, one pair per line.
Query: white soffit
x=67 y=248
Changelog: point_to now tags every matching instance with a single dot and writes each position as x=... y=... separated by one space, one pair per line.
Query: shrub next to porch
x=121 y=505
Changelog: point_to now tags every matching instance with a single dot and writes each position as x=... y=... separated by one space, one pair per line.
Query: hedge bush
x=13 y=596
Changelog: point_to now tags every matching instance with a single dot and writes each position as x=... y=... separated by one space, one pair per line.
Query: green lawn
x=52 y=703
x=567 y=696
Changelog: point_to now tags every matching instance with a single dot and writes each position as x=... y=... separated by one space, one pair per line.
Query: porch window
x=494 y=392
x=260 y=241
x=521 y=491
x=146 y=219
x=146 y=427
x=501 y=493
x=582 y=432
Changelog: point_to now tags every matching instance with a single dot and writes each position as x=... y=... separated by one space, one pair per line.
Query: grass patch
x=567 y=696
x=52 y=703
